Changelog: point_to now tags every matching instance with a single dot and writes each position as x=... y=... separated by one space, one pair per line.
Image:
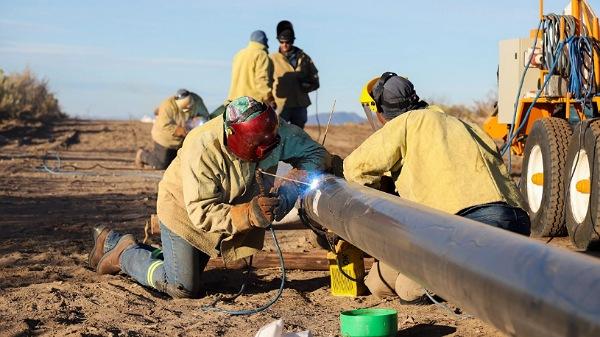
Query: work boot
x=138 y=158
x=100 y=234
x=110 y=262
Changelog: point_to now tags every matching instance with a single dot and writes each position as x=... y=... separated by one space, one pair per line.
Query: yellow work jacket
x=252 y=73
x=292 y=85
x=436 y=160
x=202 y=183
x=169 y=117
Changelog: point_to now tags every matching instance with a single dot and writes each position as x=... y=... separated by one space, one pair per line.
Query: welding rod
x=284 y=178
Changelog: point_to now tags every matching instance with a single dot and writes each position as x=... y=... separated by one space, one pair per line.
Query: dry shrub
x=24 y=97
x=477 y=112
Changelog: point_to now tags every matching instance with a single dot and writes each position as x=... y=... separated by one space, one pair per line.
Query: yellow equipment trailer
x=548 y=105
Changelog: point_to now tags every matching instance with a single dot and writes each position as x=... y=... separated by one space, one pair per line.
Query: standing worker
x=433 y=159
x=175 y=117
x=209 y=200
x=252 y=71
x=295 y=75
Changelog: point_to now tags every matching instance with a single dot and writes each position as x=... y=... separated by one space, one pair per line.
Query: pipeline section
x=521 y=286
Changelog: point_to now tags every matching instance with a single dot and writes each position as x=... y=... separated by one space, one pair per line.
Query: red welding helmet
x=254 y=138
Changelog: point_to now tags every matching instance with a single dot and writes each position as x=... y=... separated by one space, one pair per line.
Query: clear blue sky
x=119 y=59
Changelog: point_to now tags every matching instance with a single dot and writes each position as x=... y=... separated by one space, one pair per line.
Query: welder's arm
x=288 y=190
x=300 y=151
x=166 y=120
x=378 y=154
x=206 y=205
x=306 y=156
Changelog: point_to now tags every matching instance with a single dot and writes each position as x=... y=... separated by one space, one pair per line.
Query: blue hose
x=537 y=96
x=512 y=125
x=268 y=304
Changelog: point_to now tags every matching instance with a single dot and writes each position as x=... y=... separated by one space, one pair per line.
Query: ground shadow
x=427 y=330
x=229 y=281
x=43 y=238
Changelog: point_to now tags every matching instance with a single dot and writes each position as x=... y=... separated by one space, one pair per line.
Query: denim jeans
x=175 y=270
x=297 y=116
x=159 y=157
x=501 y=215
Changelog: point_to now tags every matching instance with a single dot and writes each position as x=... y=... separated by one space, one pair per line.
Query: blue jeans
x=501 y=215
x=297 y=116
x=175 y=270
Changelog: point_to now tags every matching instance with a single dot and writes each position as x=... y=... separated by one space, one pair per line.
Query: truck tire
x=582 y=185
x=543 y=176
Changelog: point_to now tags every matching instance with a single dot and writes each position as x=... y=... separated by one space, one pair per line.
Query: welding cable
x=246 y=274
x=317 y=113
x=526 y=116
x=521 y=82
x=513 y=133
x=306 y=221
x=445 y=307
x=58 y=169
x=551 y=40
x=214 y=308
x=581 y=79
x=553 y=56
x=574 y=80
x=331 y=240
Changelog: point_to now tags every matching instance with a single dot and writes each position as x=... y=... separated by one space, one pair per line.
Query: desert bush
x=477 y=112
x=24 y=97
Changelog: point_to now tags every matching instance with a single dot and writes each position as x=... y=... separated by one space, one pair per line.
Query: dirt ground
x=45 y=235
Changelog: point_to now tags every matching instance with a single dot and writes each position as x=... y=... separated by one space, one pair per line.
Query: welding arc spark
x=312 y=185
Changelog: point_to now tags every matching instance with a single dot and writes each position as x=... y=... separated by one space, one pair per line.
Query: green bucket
x=373 y=322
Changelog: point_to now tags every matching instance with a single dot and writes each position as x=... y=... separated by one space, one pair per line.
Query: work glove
x=257 y=213
x=180 y=132
x=336 y=166
x=262 y=210
x=288 y=192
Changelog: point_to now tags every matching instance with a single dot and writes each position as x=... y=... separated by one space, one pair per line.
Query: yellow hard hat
x=368 y=104
x=366 y=100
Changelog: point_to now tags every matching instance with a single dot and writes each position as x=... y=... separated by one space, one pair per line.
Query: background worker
x=433 y=159
x=295 y=75
x=175 y=117
x=252 y=71
x=209 y=202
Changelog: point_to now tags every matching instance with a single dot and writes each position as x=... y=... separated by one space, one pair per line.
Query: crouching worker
x=209 y=200
x=175 y=117
x=433 y=159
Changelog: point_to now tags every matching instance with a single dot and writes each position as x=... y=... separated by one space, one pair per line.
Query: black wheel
x=583 y=185
x=543 y=176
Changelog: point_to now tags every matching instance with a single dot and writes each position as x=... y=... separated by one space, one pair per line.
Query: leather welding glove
x=259 y=213
x=336 y=165
x=288 y=191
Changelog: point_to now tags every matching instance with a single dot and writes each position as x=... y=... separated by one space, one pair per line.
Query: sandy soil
x=45 y=222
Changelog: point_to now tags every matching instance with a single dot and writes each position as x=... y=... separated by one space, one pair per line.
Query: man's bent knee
x=380 y=280
x=407 y=289
x=383 y=281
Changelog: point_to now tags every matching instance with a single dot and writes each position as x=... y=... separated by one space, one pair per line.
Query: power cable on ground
x=213 y=306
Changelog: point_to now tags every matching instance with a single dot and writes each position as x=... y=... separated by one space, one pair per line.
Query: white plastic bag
x=275 y=329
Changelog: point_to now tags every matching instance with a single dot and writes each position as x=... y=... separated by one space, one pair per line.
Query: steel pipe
x=521 y=286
